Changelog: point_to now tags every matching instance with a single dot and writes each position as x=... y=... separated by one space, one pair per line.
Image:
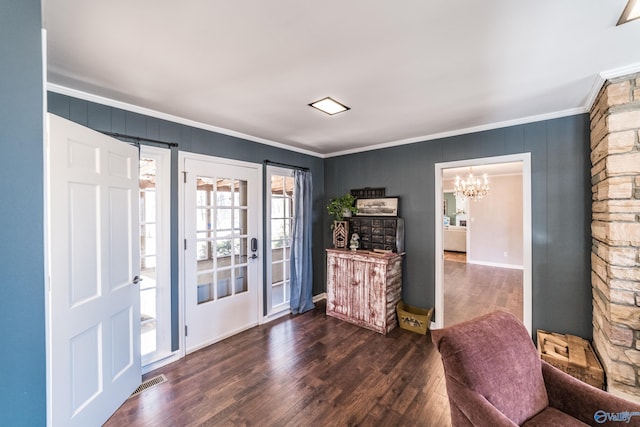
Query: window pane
x=224 y=222
x=224 y=283
x=149 y=212
x=148 y=239
x=289 y=182
x=204 y=191
x=276 y=272
x=205 y=288
x=204 y=250
x=241 y=193
x=241 y=221
x=241 y=280
x=277 y=183
x=277 y=295
x=224 y=192
x=277 y=207
x=223 y=248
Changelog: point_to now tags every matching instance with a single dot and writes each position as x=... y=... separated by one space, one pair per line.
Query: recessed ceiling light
x=630 y=13
x=329 y=106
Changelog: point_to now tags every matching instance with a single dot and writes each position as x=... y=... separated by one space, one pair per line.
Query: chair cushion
x=553 y=417
x=494 y=356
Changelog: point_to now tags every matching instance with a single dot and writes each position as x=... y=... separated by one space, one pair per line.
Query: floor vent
x=151 y=382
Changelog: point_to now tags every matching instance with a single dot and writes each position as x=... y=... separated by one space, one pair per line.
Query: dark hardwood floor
x=471 y=290
x=307 y=370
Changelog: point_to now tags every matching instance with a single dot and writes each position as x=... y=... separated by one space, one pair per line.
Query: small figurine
x=353 y=244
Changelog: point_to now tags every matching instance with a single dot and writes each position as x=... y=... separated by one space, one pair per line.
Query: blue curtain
x=301 y=268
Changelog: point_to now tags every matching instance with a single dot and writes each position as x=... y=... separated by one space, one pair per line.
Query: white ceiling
x=409 y=71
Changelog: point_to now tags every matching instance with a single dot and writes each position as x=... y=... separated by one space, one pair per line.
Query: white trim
x=320 y=297
x=621 y=71
x=269 y=173
x=170 y=358
x=525 y=158
x=63 y=90
x=602 y=77
x=162 y=156
x=46 y=224
x=480 y=128
x=595 y=90
x=496 y=264
x=204 y=344
x=275 y=315
x=285 y=312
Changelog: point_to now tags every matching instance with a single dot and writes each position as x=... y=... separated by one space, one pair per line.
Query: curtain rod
x=269 y=162
x=139 y=138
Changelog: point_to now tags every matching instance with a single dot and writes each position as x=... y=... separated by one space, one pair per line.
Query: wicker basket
x=413 y=319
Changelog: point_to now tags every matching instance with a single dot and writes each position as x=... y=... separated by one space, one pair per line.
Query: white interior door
x=94 y=300
x=221 y=203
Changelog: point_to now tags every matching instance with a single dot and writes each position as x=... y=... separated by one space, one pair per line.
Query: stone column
x=615 y=230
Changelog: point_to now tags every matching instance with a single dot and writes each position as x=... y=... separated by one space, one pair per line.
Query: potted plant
x=338 y=208
x=342 y=206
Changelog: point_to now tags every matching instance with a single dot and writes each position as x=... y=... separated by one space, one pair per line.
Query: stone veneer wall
x=615 y=230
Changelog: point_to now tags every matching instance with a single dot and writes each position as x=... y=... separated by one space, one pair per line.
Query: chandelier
x=472 y=188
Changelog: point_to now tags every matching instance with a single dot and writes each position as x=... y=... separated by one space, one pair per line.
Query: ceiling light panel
x=329 y=105
x=631 y=12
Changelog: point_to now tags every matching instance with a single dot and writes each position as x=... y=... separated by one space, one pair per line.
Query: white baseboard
x=172 y=357
x=320 y=297
x=496 y=264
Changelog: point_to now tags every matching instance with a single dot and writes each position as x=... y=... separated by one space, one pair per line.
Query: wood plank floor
x=307 y=370
x=471 y=290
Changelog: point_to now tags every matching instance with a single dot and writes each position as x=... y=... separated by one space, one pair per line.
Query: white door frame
x=182 y=156
x=525 y=158
x=163 y=189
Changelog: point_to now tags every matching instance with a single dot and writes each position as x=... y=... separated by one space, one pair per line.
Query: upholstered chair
x=495 y=377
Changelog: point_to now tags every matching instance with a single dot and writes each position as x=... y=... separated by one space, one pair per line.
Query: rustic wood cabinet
x=363 y=288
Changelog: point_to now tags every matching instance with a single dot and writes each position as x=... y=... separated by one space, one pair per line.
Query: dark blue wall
x=561 y=209
x=105 y=118
x=22 y=318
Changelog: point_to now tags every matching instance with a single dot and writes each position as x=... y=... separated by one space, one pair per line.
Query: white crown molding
x=602 y=77
x=490 y=126
x=621 y=71
x=63 y=90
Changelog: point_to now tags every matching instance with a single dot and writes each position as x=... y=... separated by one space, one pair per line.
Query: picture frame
x=386 y=206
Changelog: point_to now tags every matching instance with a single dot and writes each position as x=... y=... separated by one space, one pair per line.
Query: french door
x=94 y=300
x=155 y=256
x=280 y=211
x=222 y=263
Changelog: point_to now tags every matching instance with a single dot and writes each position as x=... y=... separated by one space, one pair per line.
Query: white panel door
x=221 y=268
x=94 y=325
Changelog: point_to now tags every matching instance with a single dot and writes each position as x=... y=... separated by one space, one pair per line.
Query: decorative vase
x=340 y=234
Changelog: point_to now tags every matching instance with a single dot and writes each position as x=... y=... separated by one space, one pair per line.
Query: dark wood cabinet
x=385 y=233
x=363 y=288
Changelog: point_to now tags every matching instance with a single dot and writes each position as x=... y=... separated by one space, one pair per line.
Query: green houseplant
x=338 y=208
x=342 y=205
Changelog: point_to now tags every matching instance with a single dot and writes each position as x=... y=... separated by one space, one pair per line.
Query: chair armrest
x=581 y=400
x=475 y=407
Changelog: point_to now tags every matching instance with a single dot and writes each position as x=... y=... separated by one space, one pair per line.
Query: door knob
x=137 y=280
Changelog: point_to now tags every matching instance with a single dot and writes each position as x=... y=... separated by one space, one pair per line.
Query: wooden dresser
x=363 y=288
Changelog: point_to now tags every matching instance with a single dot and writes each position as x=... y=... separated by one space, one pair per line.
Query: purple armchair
x=495 y=377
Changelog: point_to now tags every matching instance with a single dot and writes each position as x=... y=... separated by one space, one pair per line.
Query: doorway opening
x=489 y=238
x=155 y=257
